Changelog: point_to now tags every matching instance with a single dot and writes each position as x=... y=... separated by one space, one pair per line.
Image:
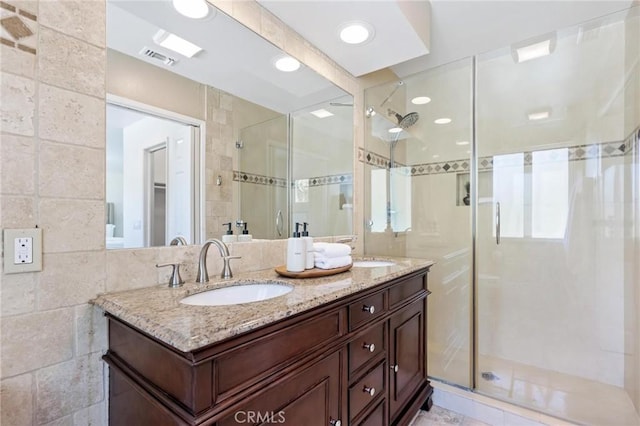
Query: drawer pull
x=370 y=309
x=370 y=347
x=370 y=391
x=395 y=368
x=335 y=423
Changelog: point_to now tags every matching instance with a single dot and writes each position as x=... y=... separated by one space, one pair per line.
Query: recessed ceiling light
x=177 y=44
x=195 y=9
x=443 y=120
x=356 y=32
x=533 y=51
x=462 y=143
x=321 y=113
x=436 y=156
x=395 y=130
x=287 y=64
x=539 y=115
x=420 y=100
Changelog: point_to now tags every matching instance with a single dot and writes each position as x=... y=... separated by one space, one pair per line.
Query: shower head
x=406 y=121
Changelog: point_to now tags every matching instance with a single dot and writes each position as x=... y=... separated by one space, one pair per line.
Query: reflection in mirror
x=258 y=136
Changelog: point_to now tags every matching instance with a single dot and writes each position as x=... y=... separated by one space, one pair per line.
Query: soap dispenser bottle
x=245 y=237
x=296 y=252
x=310 y=261
x=228 y=237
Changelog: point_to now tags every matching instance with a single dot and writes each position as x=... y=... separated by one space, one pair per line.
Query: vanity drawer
x=366 y=390
x=365 y=347
x=258 y=359
x=406 y=290
x=377 y=417
x=366 y=309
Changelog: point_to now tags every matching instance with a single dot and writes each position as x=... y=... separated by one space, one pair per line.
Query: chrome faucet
x=203 y=275
x=178 y=240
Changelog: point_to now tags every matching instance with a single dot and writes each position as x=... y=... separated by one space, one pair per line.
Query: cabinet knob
x=335 y=423
x=370 y=391
x=370 y=309
x=370 y=347
x=395 y=368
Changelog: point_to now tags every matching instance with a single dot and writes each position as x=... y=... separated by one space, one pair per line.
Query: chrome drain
x=488 y=375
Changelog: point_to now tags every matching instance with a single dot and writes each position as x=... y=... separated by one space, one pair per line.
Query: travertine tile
x=294 y=44
x=96 y=415
x=71 y=171
x=272 y=28
x=18 y=165
x=91 y=330
x=248 y=14
x=251 y=256
x=72 y=225
x=29 y=6
x=71 y=117
x=226 y=101
x=129 y=269
x=17 y=212
x=61 y=56
x=19 y=31
x=275 y=253
x=17 y=108
x=69 y=386
x=16 y=400
x=225 y=6
x=17 y=295
x=35 y=340
x=186 y=256
x=83 y=19
x=62 y=421
x=71 y=279
x=17 y=61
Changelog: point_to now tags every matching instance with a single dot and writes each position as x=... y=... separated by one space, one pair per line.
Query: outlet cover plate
x=9 y=243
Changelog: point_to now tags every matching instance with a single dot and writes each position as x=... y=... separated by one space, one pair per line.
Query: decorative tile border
x=244 y=177
x=18 y=28
x=575 y=153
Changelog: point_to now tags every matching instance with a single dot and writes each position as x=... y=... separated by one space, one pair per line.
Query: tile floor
x=439 y=416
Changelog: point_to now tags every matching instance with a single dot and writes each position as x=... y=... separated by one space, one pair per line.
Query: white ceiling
x=395 y=39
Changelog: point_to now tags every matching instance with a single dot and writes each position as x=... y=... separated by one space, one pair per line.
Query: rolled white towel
x=332 y=262
x=331 y=249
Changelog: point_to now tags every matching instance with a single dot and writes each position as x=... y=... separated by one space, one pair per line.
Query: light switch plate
x=22 y=250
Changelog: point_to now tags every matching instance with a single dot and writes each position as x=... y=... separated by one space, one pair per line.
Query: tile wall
x=52 y=116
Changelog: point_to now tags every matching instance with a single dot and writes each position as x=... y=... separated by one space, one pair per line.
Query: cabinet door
x=313 y=397
x=407 y=354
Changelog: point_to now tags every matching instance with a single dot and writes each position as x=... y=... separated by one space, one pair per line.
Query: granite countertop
x=156 y=310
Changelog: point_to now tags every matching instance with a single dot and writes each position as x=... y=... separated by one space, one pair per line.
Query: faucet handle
x=175 y=280
x=226 y=268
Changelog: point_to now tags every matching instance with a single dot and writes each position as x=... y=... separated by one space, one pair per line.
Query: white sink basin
x=235 y=294
x=372 y=263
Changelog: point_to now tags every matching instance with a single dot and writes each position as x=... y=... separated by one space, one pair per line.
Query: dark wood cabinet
x=359 y=360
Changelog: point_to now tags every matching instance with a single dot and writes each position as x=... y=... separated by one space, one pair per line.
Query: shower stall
x=521 y=180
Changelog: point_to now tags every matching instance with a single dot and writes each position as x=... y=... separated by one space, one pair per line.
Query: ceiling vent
x=157 y=56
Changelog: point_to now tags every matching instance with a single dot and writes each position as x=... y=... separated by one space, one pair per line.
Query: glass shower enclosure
x=520 y=179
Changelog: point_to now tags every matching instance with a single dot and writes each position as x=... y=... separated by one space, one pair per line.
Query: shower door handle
x=497 y=223
x=279 y=223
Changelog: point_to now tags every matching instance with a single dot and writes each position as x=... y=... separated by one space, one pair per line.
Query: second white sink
x=239 y=293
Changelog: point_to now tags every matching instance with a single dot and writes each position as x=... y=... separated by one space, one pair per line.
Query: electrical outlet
x=22 y=250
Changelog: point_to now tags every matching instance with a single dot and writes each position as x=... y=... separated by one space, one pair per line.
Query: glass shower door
x=553 y=145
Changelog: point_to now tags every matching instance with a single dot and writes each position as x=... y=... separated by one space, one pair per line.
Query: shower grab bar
x=498 y=223
x=279 y=223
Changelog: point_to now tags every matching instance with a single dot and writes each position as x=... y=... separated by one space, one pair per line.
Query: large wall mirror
x=222 y=136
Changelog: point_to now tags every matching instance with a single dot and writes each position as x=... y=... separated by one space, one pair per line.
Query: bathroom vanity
x=343 y=350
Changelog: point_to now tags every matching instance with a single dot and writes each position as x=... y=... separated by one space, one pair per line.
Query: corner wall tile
x=83 y=19
x=68 y=387
x=131 y=269
x=17 y=212
x=17 y=108
x=16 y=400
x=35 y=340
x=71 y=171
x=60 y=56
x=71 y=117
x=91 y=330
x=96 y=415
x=18 y=293
x=71 y=279
x=17 y=61
x=72 y=225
